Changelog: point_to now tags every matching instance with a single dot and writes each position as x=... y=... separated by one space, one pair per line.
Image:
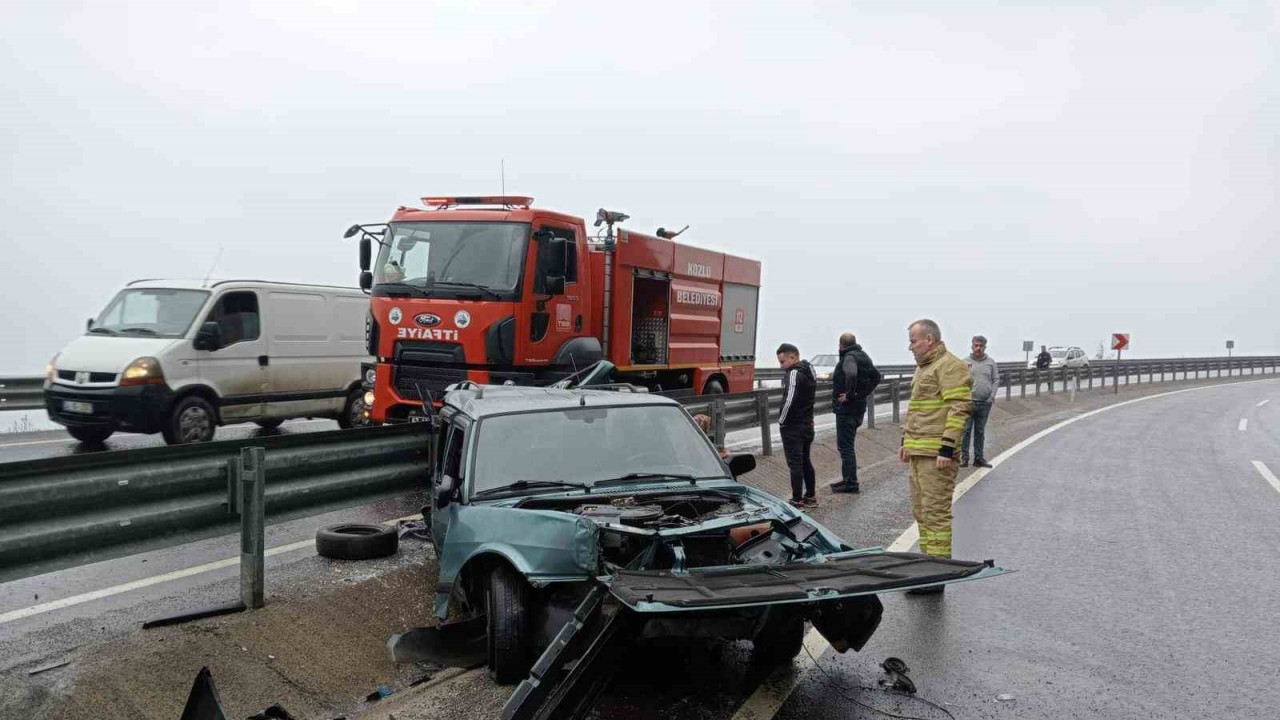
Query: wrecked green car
x=564 y=519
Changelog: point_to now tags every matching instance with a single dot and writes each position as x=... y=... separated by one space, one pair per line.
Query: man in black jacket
x=1044 y=359
x=795 y=423
x=854 y=378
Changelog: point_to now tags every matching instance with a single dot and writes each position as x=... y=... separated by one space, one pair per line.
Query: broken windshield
x=462 y=257
x=590 y=444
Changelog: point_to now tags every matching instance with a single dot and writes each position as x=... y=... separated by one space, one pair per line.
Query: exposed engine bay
x=681 y=530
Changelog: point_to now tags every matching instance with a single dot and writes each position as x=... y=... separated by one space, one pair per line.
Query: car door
x=451 y=462
x=237 y=370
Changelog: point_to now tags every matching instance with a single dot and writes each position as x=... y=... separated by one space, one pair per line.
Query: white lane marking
x=1244 y=424
x=1267 y=475
x=37 y=442
x=768 y=698
x=1263 y=403
x=74 y=600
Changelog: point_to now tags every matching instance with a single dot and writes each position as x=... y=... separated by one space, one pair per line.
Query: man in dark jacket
x=795 y=423
x=854 y=378
x=1044 y=359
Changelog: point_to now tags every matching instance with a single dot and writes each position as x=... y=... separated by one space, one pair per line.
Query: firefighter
x=941 y=401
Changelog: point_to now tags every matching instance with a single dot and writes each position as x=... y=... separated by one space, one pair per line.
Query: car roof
x=483 y=401
x=198 y=284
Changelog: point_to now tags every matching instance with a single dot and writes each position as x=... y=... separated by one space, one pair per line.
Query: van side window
x=237 y=315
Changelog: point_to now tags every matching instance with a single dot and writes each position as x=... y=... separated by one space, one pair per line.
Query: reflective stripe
x=922 y=443
x=926 y=404
x=955 y=423
x=958 y=393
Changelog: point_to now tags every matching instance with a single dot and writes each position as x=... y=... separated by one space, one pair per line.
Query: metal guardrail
x=56 y=512
x=21 y=393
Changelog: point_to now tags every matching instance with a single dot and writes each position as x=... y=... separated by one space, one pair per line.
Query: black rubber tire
x=352 y=409
x=271 y=424
x=174 y=431
x=507 y=609
x=713 y=387
x=90 y=435
x=352 y=541
x=780 y=640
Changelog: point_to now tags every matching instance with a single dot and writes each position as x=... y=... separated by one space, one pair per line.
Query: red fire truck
x=493 y=290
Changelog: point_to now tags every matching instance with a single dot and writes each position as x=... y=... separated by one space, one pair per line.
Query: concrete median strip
x=82 y=598
x=769 y=697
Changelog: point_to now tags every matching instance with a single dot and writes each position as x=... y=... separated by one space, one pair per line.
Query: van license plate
x=83 y=408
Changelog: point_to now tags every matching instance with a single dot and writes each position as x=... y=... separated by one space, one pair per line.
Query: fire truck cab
x=493 y=290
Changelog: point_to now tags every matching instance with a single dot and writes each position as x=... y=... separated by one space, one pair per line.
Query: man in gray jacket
x=986 y=381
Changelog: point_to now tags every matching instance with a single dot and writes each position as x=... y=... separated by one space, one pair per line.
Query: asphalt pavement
x=1145 y=543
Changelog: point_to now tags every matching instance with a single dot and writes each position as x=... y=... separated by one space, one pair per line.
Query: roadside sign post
x=1119 y=341
x=1026 y=348
x=1231 y=344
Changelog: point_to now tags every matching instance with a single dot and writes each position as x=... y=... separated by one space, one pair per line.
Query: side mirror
x=444 y=492
x=209 y=337
x=351 y=231
x=88 y=324
x=740 y=465
x=555 y=285
x=366 y=280
x=366 y=253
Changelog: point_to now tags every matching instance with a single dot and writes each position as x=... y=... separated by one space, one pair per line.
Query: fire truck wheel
x=351 y=541
x=353 y=411
x=714 y=387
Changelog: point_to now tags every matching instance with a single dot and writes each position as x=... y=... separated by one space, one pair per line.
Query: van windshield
x=427 y=254
x=150 y=312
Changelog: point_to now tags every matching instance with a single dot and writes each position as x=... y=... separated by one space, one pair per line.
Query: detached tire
x=351 y=541
x=90 y=435
x=507 y=611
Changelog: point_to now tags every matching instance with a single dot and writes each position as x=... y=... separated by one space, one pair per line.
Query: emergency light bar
x=504 y=200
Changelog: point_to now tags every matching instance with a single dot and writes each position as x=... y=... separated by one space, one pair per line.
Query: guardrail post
x=895 y=396
x=1036 y=378
x=1052 y=380
x=717 y=422
x=762 y=418
x=1008 y=387
x=253 y=491
x=1022 y=383
x=1090 y=369
x=871 y=408
x=235 y=502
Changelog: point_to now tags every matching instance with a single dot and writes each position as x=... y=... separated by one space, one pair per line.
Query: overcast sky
x=1027 y=171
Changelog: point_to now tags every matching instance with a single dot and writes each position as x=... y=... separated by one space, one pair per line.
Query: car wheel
x=192 y=420
x=779 y=639
x=507 y=608
x=713 y=387
x=353 y=411
x=90 y=435
x=271 y=424
x=351 y=541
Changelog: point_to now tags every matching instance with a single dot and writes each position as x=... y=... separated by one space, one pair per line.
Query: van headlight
x=51 y=369
x=143 y=371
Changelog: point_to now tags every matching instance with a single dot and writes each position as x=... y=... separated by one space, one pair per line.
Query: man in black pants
x=795 y=422
x=855 y=378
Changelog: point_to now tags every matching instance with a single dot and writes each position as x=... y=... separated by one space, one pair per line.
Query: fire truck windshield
x=453 y=256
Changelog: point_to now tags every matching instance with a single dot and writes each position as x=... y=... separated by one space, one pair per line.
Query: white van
x=180 y=357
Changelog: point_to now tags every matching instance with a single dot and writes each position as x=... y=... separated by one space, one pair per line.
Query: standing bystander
x=795 y=424
x=854 y=378
x=941 y=401
x=986 y=382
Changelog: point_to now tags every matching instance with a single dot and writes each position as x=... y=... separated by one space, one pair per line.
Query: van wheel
x=271 y=424
x=192 y=420
x=353 y=411
x=90 y=435
x=713 y=387
x=507 y=611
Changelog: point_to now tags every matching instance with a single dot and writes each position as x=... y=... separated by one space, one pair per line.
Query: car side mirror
x=88 y=324
x=366 y=253
x=209 y=337
x=366 y=280
x=740 y=465
x=444 y=492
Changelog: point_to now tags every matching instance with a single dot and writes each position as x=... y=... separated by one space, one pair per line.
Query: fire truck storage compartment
x=649 y=314
x=738 y=323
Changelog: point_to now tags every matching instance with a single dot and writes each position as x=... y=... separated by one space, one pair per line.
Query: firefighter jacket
x=941 y=402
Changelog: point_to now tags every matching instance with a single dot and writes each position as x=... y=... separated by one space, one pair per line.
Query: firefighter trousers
x=931 y=491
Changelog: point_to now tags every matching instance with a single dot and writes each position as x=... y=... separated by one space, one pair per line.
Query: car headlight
x=143 y=371
x=368 y=400
x=51 y=368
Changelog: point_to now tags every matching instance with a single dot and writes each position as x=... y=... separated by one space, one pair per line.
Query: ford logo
x=427 y=320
